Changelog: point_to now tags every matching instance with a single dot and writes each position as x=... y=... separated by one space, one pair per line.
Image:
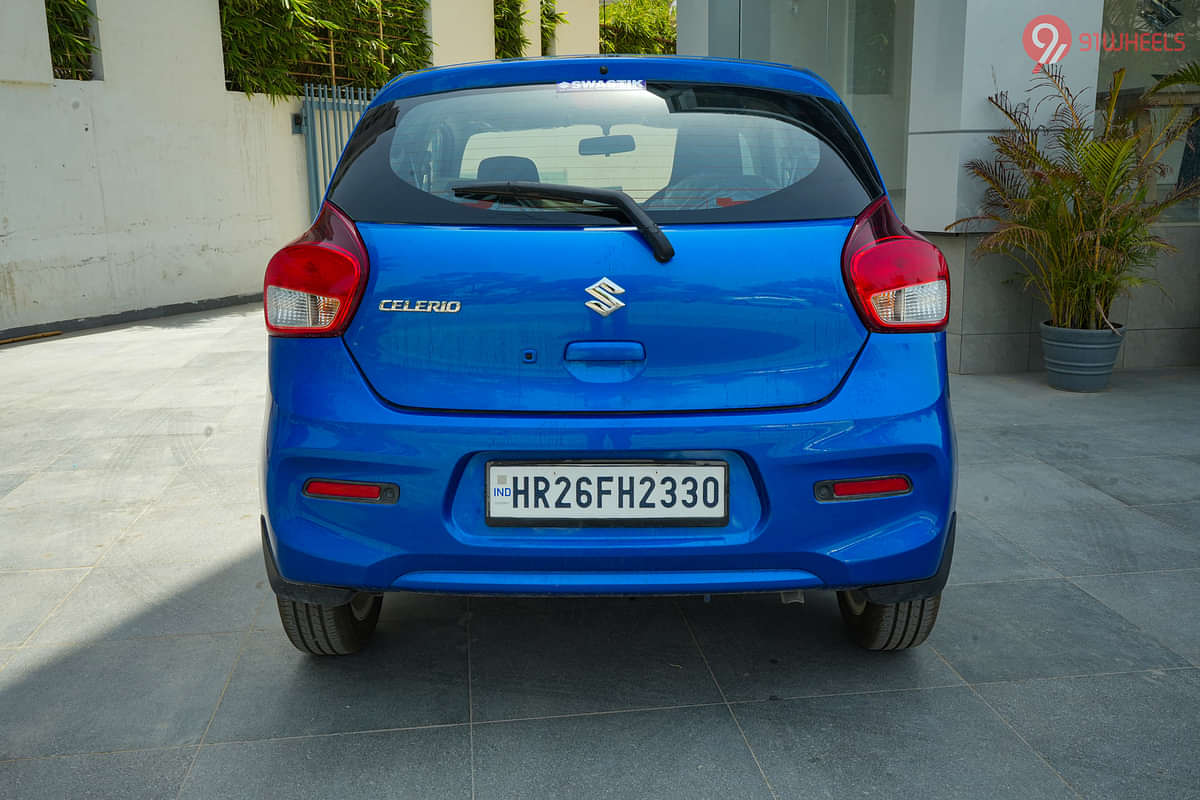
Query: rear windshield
x=687 y=153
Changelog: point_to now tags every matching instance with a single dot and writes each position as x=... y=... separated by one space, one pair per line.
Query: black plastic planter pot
x=1079 y=360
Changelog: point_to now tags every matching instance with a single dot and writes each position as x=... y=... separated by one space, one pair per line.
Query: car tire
x=330 y=630
x=888 y=626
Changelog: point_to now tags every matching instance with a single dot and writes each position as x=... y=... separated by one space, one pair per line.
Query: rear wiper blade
x=663 y=251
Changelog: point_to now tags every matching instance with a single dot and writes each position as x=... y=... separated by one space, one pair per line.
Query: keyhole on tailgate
x=529 y=356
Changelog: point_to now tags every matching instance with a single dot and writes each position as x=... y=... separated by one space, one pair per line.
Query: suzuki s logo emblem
x=605 y=292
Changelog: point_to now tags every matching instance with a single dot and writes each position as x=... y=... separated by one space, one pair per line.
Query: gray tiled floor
x=140 y=655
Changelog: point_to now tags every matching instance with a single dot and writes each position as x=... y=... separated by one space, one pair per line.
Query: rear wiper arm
x=653 y=235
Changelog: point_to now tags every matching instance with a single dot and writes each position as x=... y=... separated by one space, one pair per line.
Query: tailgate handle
x=605 y=351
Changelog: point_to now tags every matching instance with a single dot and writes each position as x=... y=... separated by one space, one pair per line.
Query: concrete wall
x=24 y=56
x=994 y=323
x=963 y=51
x=533 y=27
x=462 y=31
x=708 y=28
x=155 y=186
x=581 y=34
x=152 y=187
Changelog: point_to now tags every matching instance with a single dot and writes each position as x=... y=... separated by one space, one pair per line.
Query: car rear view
x=607 y=326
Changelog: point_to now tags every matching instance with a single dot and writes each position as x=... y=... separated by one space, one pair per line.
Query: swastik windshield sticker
x=600 y=86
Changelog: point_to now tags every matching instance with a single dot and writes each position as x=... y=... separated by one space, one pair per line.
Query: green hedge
x=551 y=19
x=511 y=40
x=70 y=25
x=638 y=26
x=275 y=46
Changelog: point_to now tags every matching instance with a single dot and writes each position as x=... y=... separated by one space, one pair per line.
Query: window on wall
x=72 y=39
x=1178 y=22
x=873 y=48
x=862 y=47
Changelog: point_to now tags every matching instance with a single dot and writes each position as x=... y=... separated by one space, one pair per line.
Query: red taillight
x=899 y=281
x=313 y=285
x=860 y=488
x=352 y=490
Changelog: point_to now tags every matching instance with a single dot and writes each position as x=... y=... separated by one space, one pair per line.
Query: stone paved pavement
x=140 y=655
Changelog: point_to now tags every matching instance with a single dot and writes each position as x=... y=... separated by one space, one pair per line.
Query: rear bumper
x=615 y=582
x=891 y=416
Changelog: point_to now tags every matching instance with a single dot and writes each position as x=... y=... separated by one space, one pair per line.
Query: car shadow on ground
x=156 y=669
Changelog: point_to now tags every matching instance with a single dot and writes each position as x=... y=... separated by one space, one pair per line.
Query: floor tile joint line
x=247 y=634
x=470 y=700
x=1007 y=724
x=725 y=700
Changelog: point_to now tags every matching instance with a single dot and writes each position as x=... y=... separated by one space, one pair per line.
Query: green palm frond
x=1114 y=92
x=1187 y=75
x=1071 y=198
x=551 y=19
x=511 y=40
x=1107 y=165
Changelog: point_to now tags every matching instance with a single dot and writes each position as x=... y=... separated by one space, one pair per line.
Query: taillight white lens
x=898 y=280
x=921 y=304
x=288 y=308
x=313 y=285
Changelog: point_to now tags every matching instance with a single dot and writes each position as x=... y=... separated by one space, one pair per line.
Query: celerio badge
x=605 y=291
x=428 y=306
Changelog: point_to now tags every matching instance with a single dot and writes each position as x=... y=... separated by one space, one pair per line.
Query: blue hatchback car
x=607 y=325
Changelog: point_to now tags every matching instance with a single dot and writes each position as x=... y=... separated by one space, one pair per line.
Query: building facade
x=917 y=74
x=153 y=188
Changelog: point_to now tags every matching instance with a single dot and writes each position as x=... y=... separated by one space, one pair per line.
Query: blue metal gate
x=328 y=115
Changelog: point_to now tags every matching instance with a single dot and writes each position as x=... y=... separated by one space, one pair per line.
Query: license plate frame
x=668 y=521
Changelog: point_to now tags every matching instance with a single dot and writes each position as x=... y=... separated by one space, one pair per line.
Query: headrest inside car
x=507 y=168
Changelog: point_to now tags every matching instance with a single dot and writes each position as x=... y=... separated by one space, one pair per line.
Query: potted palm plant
x=1074 y=200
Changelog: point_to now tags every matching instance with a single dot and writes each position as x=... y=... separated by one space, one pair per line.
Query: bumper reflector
x=861 y=488
x=356 y=491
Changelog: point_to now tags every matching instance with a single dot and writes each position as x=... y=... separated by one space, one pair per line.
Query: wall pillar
x=708 y=28
x=181 y=39
x=580 y=35
x=964 y=51
x=462 y=31
x=533 y=27
x=24 y=42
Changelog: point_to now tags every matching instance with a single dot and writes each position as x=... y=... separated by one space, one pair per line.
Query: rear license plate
x=607 y=493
